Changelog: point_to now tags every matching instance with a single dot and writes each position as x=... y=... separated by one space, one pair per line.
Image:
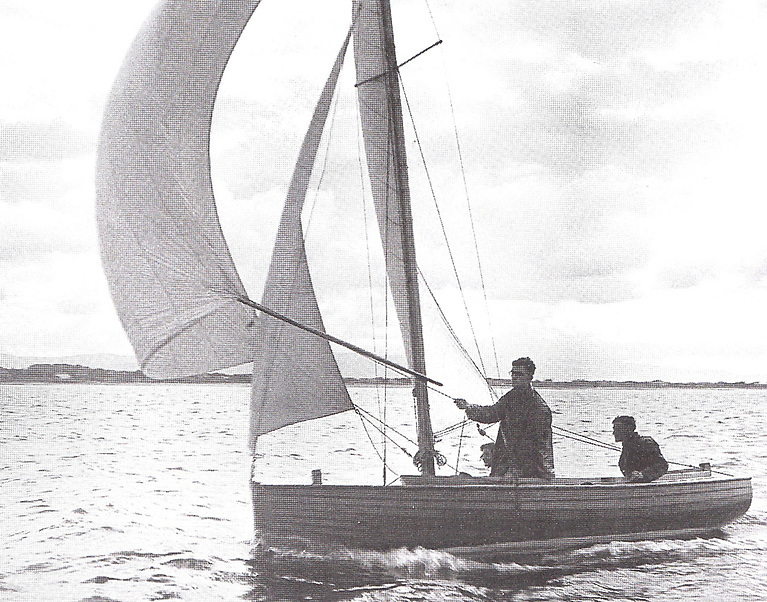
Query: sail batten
x=172 y=278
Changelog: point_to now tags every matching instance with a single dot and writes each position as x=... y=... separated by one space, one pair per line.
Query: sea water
x=140 y=492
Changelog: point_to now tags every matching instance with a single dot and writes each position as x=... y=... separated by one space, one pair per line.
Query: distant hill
x=68 y=373
x=350 y=363
x=76 y=373
x=107 y=361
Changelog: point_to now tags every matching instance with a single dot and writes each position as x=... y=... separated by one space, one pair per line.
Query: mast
x=383 y=132
x=399 y=165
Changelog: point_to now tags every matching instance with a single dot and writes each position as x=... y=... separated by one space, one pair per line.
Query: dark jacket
x=523 y=447
x=643 y=455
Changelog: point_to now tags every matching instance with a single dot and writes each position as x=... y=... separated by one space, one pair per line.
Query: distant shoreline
x=76 y=374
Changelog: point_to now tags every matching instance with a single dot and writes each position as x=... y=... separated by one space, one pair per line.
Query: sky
x=611 y=152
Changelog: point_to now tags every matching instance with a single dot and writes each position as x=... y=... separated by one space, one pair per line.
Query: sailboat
x=185 y=310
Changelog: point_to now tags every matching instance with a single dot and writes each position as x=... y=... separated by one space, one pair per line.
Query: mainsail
x=295 y=376
x=381 y=119
x=169 y=270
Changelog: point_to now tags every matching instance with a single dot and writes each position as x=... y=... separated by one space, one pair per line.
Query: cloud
x=603 y=29
x=677 y=276
x=61 y=306
x=580 y=132
x=612 y=151
x=577 y=86
x=46 y=209
x=254 y=146
x=45 y=184
x=46 y=141
x=571 y=117
x=574 y=135
x=543 y=241
x=756 y=269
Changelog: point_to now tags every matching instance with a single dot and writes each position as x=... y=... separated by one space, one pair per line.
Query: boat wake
x=369 y=570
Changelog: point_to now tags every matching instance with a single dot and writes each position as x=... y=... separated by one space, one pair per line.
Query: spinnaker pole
x=420 y=377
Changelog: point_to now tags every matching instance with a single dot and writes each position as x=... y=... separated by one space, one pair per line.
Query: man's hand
x=461 y=403
x=635 y=477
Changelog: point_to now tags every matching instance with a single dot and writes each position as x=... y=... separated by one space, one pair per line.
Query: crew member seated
x=641 y=460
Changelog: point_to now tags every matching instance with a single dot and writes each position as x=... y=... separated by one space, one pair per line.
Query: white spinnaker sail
x=295 y=376
x=169 y=270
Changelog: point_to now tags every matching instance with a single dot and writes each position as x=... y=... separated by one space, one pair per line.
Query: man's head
x=522 y=371
x=623 y=427
x=487 y=453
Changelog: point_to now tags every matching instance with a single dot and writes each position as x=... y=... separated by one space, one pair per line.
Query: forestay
x=169 y=270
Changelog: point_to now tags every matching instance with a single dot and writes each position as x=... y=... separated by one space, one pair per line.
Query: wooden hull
x=473 y=515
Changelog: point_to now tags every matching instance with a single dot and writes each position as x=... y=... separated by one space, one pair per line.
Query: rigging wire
x=442 y=223
x=381 y=406
x=562 y=432
x=466 y=191
x=473 y=230
x=440 y=459
x=583 y=438
x=455 y=338
x=374 y=421
x=449 y=429
x=597 y=443
x=460 y=442
x=378 y=420
x=567 y=434
x=369 y=418
x=334 y=100
x=431 y=16
x=330 y=129
x=364 y=421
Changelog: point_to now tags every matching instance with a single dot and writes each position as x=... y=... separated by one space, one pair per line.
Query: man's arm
x=484 y=414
